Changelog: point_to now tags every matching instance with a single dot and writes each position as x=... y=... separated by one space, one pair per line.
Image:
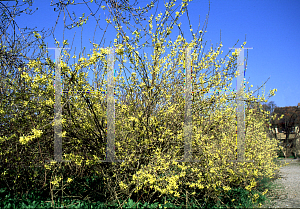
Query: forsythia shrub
x=150 y=124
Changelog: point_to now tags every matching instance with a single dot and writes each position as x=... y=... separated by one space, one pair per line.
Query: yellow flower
x=26 y=76
x=226 y=188
x=37 y=133
x=176 y=194
x=122 y=185
x=37 y=35
x=64 y=133
x=248 y=187
x=65 y=42
x=69 y=180
x=25 y=139
x=265 y=192
x=119 y=51
x=81 y=59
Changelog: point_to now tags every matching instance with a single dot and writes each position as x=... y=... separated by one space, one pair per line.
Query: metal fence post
x=188 y=108
x=57 y=109
x=240 y=110
x=240 y=107
x=110 y=109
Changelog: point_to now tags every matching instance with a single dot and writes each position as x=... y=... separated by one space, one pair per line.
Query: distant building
x=286 y=130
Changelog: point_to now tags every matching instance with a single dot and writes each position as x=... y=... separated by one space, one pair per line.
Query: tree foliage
x=287 y=118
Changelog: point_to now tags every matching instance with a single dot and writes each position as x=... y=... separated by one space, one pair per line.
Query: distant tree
x=269 y=109
x=288 y=117
x=270 y=106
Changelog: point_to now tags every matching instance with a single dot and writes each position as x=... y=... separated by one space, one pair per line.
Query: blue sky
x=271 y=28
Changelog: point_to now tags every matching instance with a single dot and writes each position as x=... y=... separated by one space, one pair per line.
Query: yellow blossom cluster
x=150 y=127
x=36 y=134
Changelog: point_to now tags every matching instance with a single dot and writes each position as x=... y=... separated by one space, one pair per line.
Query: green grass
x=35 y=199
x=240 y=196
x=284 y=157
x=94 y=187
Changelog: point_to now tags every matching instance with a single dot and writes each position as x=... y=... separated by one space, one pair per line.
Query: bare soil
x=286 y=189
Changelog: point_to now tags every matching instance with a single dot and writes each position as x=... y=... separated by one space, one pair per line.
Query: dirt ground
x=286 y=192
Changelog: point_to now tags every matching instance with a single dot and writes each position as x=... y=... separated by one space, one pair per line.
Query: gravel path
x=286 y=192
